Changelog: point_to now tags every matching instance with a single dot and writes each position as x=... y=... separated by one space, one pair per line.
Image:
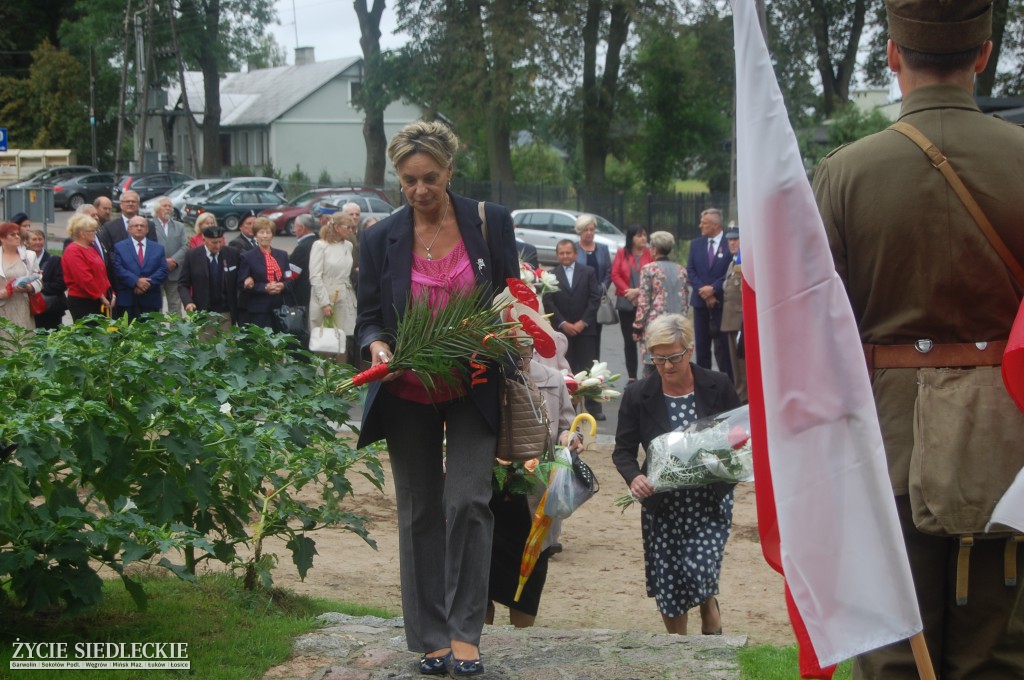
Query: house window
x=225 y=150
x=355 y=88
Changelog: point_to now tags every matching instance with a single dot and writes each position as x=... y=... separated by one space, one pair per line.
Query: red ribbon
x=478 y=371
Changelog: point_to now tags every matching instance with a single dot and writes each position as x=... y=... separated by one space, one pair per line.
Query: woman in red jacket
x=626 y=277
x=85 y=272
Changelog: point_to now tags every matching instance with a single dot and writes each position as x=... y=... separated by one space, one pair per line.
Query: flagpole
x=921 y=657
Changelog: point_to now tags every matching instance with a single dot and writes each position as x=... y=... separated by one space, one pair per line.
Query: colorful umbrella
x=542 y=522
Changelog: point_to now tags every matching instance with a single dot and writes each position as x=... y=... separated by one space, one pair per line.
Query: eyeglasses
x=671 y=358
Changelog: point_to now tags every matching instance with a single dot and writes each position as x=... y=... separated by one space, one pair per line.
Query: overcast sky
x=329 y=26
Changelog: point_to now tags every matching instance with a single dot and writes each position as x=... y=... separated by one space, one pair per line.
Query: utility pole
x=124 y=90
x=92 y=107
x=140 y=91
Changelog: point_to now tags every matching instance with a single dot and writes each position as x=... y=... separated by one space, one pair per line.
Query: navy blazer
x=700 y=274
x=252 y=263
x=604 y=263
x=385 y=284
x=127 y=273
x=580 y=302
x=644 y=416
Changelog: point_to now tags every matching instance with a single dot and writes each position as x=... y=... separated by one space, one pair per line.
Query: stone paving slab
x=371 y=648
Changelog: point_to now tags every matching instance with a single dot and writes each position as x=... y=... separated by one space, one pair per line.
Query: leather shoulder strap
x=941 y=163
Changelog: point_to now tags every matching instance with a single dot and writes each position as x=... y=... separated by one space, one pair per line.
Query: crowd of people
x=128 y=264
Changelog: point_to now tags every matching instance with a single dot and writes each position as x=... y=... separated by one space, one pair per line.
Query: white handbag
x=327 y=340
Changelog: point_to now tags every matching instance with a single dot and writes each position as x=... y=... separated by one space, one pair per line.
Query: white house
x=290 y=116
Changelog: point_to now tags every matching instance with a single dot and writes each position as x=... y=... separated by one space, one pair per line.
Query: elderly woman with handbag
x=264 y=274
x=664 y=289
x=442 y=441
x=684 y=530
x=330 y=270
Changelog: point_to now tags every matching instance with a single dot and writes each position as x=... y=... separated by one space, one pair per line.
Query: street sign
x=3 y=139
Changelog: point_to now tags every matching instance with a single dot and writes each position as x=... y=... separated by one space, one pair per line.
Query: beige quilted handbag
x=524 y=431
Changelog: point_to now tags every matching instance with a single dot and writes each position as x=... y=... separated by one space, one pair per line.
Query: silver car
x=544 y=228
x=182 y=194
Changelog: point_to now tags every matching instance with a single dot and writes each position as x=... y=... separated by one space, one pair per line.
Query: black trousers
x=703 y=320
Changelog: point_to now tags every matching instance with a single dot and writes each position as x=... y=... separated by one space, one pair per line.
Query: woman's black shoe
x=461 y=668
x=436 y=665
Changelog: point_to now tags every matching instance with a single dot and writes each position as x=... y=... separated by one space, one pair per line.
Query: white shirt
x=135 y=246
x=569 y=272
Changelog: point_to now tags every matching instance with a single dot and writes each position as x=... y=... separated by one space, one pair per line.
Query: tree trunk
x=372 y=98
x=599 y=97
x=498 y=127
x=835 y=78
x=987 y=78
x=209 y=65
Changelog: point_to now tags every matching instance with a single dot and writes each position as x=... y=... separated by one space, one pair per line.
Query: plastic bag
x=566 y=490
x=713 y=449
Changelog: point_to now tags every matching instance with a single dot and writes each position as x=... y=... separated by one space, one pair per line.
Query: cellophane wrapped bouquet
x=543 y=282
x=712 y=449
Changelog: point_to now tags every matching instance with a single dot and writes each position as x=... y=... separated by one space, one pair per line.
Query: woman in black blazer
x=684 y=531
x=264 y=275
x=434 y=247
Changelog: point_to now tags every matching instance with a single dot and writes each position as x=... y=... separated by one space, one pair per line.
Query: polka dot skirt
x=684 y=535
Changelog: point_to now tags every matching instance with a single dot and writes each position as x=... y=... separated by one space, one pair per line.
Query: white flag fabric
x=1010 y=508
x=840 y=547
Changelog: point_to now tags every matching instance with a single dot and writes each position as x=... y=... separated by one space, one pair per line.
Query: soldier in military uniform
x=916 y=266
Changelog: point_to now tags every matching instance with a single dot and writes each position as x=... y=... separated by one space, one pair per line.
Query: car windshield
x=606 y=227
x=304 y=198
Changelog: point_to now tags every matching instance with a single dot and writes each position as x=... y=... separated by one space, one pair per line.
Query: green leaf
x=303 y=549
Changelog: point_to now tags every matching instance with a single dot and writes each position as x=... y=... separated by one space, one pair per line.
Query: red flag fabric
x=826 y=512
x=1013 y=361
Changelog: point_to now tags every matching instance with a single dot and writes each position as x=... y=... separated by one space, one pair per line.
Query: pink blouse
x=435 y=280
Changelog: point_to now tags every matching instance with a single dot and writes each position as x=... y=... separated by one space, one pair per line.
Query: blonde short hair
x=201 y=221
x=663 y=242
x=79 y=222
x=430 y=137
x=669 y=329
x=584 y=221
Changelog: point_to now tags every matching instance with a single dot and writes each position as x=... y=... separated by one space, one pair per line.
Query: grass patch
x=231 y=634
x=764 y=662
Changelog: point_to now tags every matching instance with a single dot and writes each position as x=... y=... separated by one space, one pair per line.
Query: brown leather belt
x=926 y=354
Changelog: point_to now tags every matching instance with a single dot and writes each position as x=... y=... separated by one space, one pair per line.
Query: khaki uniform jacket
x=915 y=264
x=732 y=299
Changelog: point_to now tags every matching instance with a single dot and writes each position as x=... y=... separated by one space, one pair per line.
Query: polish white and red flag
x=826 y=512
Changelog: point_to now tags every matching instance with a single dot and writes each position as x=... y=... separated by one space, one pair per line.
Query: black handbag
x=291 y=319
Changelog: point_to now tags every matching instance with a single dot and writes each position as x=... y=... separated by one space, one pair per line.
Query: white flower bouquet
x=713 y=449
x=593 y=384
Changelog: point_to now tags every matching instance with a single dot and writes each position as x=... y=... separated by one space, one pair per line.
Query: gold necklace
x=440 y=224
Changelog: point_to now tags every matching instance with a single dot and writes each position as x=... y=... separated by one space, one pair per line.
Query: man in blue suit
x=140 y=269
x=706 y=268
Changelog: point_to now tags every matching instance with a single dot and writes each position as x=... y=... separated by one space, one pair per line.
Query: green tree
x=373 y=96
x=684 y=99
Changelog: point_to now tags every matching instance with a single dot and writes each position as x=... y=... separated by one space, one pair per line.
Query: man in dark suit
x=574 y=311
x=140 y=267
x=209 y=278
x=246 y=239
x=706 y=269
x=527 y=253
x=116 y=229
x=307 y=231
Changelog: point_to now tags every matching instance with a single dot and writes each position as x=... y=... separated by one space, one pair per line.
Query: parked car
x=284 y=215
x=237 y=183
x=47 y=176
x=369 y=206
x=191 y=190
x=147 y=185
x=544 y=228
x=70 y=193
x=231 y=206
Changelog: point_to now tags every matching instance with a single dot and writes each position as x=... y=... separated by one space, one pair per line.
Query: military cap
x=939 y=26
x=213 y=232
x=732 y=232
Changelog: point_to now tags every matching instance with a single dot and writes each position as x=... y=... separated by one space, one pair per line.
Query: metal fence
x=666 y=211
x=673 y=212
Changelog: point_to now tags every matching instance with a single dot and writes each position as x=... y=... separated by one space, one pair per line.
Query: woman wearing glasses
x=685 y=530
